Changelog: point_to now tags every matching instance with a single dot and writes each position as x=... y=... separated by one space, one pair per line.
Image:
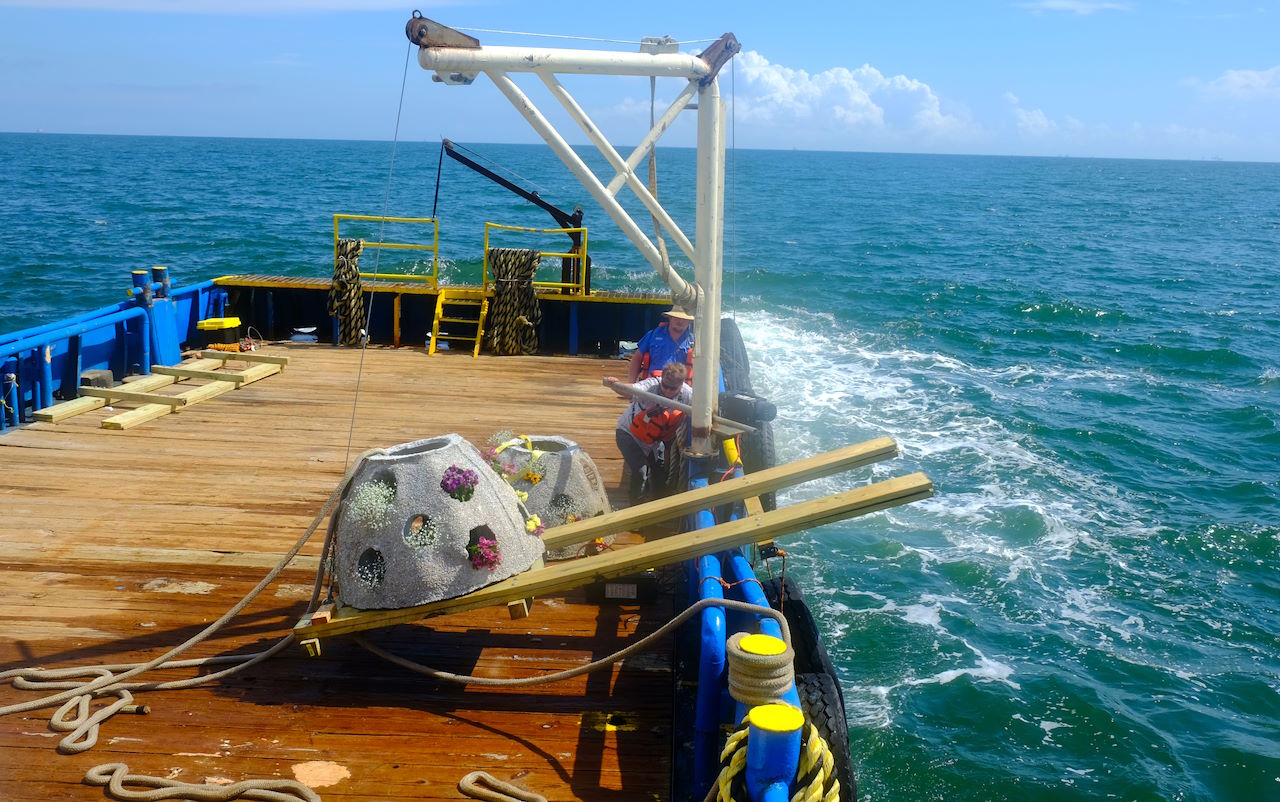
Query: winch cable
x=377 y=257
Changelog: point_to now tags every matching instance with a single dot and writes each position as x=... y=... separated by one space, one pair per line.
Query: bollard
x=160 y=275
x=773 y=751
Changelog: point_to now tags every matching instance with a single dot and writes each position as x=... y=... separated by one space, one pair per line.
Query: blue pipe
x=712 y=683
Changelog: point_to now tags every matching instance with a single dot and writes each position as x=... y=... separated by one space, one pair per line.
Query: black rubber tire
x=735 y=366
x=757 y=454
x=820 y=701
x=811 y=652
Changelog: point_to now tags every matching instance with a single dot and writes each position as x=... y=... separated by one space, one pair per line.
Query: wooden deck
x=117 y=545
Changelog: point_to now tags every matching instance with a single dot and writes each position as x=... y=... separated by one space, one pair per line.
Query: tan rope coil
x=758 y=679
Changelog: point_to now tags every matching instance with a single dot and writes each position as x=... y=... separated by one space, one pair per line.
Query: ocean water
x=1084 y=356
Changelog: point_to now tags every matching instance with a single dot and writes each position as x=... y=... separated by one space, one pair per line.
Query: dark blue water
x=1084 y=355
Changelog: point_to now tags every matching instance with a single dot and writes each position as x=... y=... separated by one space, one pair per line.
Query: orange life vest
x=658 y=426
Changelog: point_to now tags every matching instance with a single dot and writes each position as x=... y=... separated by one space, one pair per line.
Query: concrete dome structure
x=425 y=521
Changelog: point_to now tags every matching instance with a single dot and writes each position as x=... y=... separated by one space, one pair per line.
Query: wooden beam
x=187 y=372
x=85 y=403
x=664 y=509
x=246 y=356
x=575 y=573
x=122 y=394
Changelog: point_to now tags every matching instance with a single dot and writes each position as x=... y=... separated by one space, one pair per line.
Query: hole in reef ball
x=419 y=531
x=388 y=478
x=372 y=567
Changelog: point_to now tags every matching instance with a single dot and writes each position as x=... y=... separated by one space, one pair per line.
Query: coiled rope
x=758 y=679
x=815 y=774
x=345 y=292
x=516 y=313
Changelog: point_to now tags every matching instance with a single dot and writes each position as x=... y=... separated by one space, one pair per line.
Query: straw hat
x=677 y=311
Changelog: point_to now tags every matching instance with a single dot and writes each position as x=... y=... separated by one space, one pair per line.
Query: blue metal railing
x=39 y=362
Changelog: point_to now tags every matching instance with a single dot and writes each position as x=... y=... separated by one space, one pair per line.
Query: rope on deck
x=516 y=313
x=345 y=293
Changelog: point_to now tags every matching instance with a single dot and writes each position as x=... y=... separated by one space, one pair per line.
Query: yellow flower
x=523 y=496
x=532 y=478
x=533 y=523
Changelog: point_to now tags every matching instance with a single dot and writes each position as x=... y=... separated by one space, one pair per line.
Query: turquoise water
x=1084 y=356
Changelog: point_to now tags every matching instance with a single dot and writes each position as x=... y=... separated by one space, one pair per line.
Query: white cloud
x=1034 y=122
x=1246 y=84
x=861 y=101
x=1077 y=7
x=1010 y=97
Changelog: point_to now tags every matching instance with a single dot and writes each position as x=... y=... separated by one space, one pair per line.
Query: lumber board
x=188 y=372
x=148 y=412
x=246 y=356
x=133 y=396
x=86 y=403
x=664 y=509
x=575 y=573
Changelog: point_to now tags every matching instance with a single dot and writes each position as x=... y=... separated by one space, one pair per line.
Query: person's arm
x=633 y=367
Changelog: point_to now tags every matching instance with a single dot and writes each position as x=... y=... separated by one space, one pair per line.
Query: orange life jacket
x=658 y=426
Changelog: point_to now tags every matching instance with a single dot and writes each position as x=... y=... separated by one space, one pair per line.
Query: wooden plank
x=256 y=372
x=575 y=573
x=134 y=396
x=198 y=373
x=149 y=412
x=85 y=403
x=246 y=356
x=664 y=509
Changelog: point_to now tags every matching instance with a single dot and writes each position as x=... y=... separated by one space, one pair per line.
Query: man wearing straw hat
x=671 y=341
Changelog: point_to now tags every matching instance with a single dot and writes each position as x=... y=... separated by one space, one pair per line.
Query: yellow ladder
x=452 y=306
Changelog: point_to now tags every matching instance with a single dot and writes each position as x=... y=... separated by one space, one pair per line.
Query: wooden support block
x=246 y=356
x=121 y=394
x=188 y=372
x=518 y=609
x=652 y=512
x=575 y=573
x=85 y=403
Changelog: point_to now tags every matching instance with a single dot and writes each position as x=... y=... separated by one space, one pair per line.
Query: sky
x=1167 y=79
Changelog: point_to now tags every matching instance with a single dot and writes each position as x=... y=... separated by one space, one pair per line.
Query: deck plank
x=116 y=545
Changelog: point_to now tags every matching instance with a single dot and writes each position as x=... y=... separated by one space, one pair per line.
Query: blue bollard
x=773 y=751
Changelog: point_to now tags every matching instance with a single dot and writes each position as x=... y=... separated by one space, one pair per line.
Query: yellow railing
x=575 y=287
x=434 y=247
